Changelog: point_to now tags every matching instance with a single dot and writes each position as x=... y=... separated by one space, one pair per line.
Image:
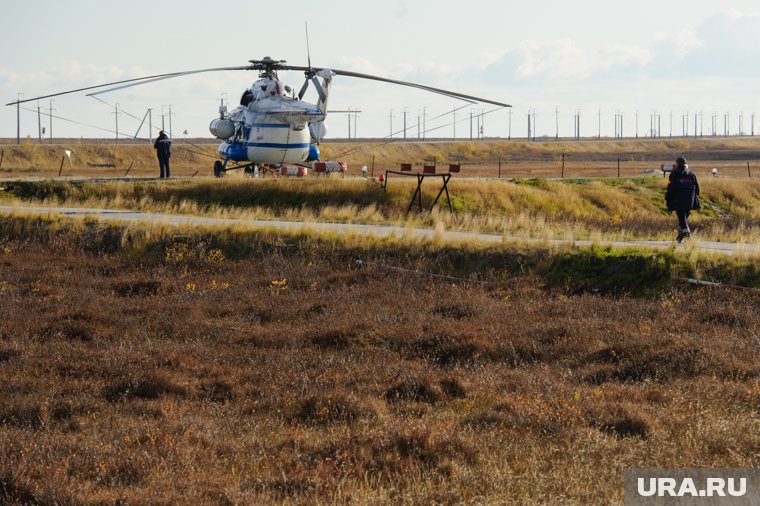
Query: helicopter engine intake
x=222 y=128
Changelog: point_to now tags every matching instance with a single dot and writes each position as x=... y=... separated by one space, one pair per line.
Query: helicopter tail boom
x=323 y=89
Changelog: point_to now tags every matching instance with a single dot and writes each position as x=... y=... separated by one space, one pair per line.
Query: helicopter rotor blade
x=308 y=51
x=452 y=94
x=147 y=80
x=257 y=65
x=126 y=82
x=303 y=89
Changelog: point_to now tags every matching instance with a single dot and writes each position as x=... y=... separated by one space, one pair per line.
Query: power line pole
x=529 y=124
x=390 y=116
x=715 y=123
x=659 y=125
x=50 y=114
x=455 y=124
x=701 y=123
x=19 y=96
x=470 y=125
x=556 y=123
x=424 y=122
x=150 y=125
x=39 y=123
x=509 y=131
x=575 y=125
x=599 y=134
x=404 y=123
x=637 y=123
x=116 y=113
x=170 y=121
x=621 y=125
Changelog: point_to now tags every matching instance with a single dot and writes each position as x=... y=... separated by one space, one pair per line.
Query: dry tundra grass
x=174 y=373
x=479 y=158
x=586 y=208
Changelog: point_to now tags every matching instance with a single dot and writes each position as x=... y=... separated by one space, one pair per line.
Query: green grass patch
x=609 y=271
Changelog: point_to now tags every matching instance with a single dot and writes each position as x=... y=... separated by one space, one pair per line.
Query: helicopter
x=272 y=126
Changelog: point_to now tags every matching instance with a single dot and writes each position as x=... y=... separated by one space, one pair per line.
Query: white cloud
x=728 y=46
x=679 y=42
x=565 y=61
x=560 y=59
x=402 y=9
x=618 y=55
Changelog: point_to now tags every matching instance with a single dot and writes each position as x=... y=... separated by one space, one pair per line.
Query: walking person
x=682 y=196
x=163 y=147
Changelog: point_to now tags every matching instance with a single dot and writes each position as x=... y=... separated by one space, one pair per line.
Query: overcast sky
x=673 y=57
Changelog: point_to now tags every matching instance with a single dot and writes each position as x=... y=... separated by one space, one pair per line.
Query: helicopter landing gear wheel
x=218 y=169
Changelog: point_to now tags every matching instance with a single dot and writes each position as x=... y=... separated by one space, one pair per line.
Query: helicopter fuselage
x=272 y=131
x=272 y=128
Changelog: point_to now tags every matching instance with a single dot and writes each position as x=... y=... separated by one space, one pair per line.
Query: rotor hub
x=267 y=65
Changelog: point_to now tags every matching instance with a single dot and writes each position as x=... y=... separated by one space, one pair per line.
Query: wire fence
x=569 y=168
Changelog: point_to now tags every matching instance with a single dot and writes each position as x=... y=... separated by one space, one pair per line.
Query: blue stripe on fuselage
x=275 y=145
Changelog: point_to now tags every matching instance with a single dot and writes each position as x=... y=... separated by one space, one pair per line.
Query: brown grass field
x=300 y=371
x=518 y=158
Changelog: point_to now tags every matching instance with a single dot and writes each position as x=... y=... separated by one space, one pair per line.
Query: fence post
x=749 y=172
x=618 y=166
x=499 y=167
x=2 y=155
x=372 y=174
x=563 y=165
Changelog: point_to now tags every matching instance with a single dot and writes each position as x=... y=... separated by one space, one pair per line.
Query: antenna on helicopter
x=308 y=51
x=308 y=72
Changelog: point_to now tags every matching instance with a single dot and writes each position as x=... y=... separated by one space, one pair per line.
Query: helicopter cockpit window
x=247 y=98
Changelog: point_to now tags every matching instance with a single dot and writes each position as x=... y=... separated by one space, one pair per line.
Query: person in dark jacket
x=163 y=147
x=682 y=196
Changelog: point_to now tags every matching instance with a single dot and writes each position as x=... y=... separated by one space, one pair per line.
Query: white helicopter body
x=271 y=127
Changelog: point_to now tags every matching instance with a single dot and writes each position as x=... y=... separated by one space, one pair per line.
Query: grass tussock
x=262 y=369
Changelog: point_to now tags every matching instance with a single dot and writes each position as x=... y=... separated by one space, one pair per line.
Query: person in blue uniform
x=682 y=196
x=163 y=147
